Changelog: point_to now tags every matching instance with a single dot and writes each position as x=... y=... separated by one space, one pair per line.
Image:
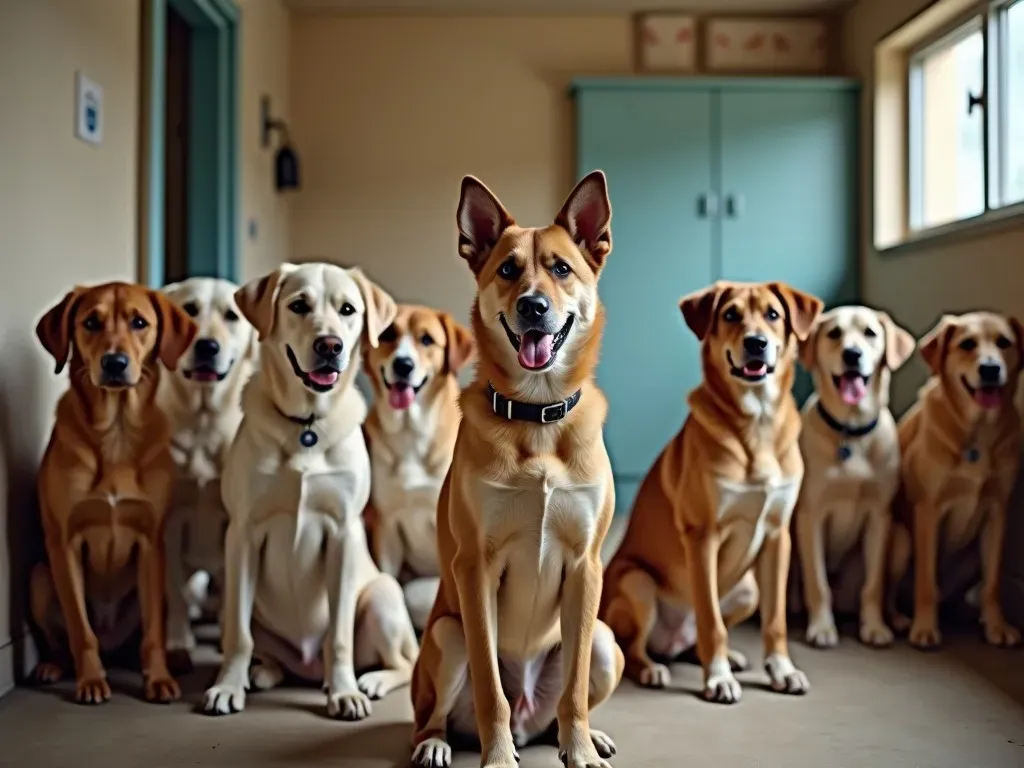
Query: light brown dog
x=960 y=443
x=105 y=484
x=411 y=435
x=528 y=499
x=851 y=469
x=716 y=504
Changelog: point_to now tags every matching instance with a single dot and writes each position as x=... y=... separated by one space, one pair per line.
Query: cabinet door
x=655 y=146
x=789 y=191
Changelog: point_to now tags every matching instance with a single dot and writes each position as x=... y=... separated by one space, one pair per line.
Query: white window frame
x=989 y=19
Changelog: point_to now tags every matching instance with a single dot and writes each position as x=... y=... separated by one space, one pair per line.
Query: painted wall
x=68 y=214
x=389 y=114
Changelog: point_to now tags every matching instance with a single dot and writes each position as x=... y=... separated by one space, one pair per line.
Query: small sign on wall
x=88 y=110
x=667 y=42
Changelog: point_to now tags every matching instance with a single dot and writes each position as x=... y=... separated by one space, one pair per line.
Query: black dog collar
x=843 y=429
x=513 y=410
x=307 y=437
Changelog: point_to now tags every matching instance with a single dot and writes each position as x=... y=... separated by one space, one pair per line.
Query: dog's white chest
x=197 y=450
x=749 y=512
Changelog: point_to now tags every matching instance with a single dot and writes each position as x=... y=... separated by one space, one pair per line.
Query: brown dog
x=528 y=499
x=411 y=435
x=960 y=444
x=718 y=500
x=105 y=483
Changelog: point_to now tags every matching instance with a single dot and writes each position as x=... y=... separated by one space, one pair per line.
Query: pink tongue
x=324 y=378
x=535 y=349
x=400 y=396
x=989 y=398
x=754 y=369
x=201 y=375
x=852 y=389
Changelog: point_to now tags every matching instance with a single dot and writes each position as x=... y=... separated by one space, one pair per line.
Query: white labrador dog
x=203 y=401
x=301 y=590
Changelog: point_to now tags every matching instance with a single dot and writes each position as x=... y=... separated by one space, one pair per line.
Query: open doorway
x=189 y=138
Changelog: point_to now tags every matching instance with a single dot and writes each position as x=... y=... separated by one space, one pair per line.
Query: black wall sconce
x=286 y=161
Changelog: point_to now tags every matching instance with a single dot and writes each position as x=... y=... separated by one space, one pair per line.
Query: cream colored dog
x=851 y=465
x=961 y=453
x=301 y=590
x=203 y=401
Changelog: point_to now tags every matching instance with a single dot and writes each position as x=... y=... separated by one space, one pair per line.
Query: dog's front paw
x=92 y=689
x=432 y=753
x=822 y=632
x=501 y=753
x=720 y=685
x=161 y=688
x=873 y=632
x=924 y=634
x=349 y=705
x=47 y=672
x=784 y=676
x=999 y=633
x=224 y=699
x=655 y=676
x=602 y=743
x=582 y=757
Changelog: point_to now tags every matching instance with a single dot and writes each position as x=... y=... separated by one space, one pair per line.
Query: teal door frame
x=213 y=138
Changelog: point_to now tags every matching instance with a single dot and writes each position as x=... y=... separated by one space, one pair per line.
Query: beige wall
x=67 y=212
x=389 y=114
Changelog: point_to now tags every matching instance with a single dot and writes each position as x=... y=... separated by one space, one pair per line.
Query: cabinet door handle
x=734 y=205
x=707 y=205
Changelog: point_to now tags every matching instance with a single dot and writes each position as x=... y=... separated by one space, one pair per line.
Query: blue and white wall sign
x=88 y=110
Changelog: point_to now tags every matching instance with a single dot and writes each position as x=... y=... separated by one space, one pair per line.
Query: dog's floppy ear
x=55 y=329
x=699 y=308
x=899 y=343
x=481 y=219
x=587 y=216
x=809 y=347
x=175 y=331
x=802 y=309
x=933 y=345
x=1018 y=331
x=380 y=307
x=257 y=299
x=461 y=347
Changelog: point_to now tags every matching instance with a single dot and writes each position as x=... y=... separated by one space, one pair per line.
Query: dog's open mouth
x=205 y=374
x=987 y=395
x=537 y=349
x=401 y=394
x=852 y=386
x=751 y=370
x=319 y=379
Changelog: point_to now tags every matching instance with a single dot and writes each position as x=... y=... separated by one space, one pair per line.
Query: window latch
x=975 y=101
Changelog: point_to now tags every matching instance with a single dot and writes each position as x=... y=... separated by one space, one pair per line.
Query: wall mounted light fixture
x=286 y=161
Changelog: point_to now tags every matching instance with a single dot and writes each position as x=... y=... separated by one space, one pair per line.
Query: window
x=965 y=129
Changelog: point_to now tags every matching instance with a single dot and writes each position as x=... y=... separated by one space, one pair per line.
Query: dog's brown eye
x=968 y=344
x=389 y=334
x=508 y=270
x=138 y=323
x=92 y=324
x=835 y=333
x=426 y=340
x=561 y=269
x=300 y=307
x=347 y=309
x=190 y=309
x=731 y=315
x=1003 y=343
x=231 y=316
x=771 y=315
x=870 y=333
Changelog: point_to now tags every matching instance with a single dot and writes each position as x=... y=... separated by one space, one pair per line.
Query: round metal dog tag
x=844 y=452
x=308 y=438
x=972 y=455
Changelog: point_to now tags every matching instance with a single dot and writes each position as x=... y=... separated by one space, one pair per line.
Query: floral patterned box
x=766 y=45
x=667 y=42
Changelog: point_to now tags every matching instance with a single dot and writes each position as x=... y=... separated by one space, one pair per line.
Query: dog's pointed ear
x=699 y=309
x=175 y=331
x=808 y=348
x=481 y=219
x=460 y=347
x=257 y=300
x=55 y=329
x=933 y=345
x=802 y=309
x=380 y=307
x=587 y=216
x=899 y=343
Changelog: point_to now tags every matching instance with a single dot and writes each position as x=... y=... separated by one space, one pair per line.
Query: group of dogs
x=212 y=449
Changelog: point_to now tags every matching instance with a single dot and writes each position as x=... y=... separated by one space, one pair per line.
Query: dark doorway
x=176 y=149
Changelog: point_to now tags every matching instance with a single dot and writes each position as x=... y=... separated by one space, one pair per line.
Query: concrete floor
x=961 y=707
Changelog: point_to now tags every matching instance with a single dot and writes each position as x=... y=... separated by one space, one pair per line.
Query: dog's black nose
x=403 y=367
x=990 y=373
x=532 y=307
x=328 y=347
x=852 y=356
x=114 y=363
x=207 y=349
x=755 y=345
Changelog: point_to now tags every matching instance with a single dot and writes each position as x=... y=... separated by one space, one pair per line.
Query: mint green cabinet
x=737 y=179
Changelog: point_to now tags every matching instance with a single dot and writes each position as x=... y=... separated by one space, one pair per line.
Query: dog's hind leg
x=384 y=637
x=900 y=548
x=420 y=594
x=632 y=615
x=45 y=611
x=449 y=678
